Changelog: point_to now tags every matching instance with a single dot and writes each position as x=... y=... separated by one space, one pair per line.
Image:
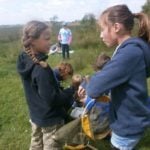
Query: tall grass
x=14 y=119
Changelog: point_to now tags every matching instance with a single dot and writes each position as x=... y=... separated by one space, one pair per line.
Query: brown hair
x=101 y=60
x=33 y=30
x=122 y=14
x=65 y=69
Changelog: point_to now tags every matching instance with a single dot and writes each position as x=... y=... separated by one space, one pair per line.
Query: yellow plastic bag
x=80 y=147
x=86 y=127
x=73 y=147
x=104 y=98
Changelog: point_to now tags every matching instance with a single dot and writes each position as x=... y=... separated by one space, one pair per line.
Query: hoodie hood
x=144 y=46
x=25 y=64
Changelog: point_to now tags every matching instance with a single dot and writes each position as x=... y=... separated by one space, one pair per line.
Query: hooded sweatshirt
x=126 y=76
x=44 y=99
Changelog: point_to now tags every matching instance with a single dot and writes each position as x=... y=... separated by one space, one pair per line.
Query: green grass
x=14 y=120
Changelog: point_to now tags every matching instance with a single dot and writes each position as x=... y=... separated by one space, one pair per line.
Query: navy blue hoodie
x=126 y=76
x=44 y=99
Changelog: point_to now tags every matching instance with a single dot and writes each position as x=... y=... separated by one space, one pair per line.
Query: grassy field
x=14 y=124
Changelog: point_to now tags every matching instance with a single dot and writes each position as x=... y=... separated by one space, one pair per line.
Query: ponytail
x=144 y=26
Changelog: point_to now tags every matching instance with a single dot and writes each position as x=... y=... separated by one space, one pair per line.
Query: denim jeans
x=65 y=50
x=124 y=143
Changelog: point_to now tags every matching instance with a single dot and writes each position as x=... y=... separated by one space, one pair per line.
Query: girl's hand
x=81 y=92
x=83 y=99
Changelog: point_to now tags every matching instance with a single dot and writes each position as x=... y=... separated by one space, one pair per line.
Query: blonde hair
x=122 y=14
x=76 y=80
x=33 y=30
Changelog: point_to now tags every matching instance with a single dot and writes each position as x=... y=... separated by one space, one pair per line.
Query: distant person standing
x=65 y=38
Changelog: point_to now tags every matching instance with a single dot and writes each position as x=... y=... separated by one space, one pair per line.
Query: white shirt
x=65 y=35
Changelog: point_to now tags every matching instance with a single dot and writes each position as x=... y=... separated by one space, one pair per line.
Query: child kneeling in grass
x=70 y=133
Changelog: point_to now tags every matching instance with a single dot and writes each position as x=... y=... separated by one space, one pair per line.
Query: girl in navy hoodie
x=125 y=75
x=44 y=98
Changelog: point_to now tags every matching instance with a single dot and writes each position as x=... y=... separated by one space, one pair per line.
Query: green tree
x=146 y=7
x=88 y=20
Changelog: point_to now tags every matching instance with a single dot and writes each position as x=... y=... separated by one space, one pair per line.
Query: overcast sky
x=21 y=11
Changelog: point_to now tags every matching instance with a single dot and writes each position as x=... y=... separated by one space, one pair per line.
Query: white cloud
x=2 y=1
x=17 y=11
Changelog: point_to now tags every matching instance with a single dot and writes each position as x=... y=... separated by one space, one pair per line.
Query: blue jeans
x=124 y=143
